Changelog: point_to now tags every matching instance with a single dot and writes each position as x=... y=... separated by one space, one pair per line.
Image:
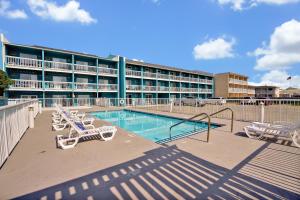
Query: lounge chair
x=257 y=130
x=79 y=130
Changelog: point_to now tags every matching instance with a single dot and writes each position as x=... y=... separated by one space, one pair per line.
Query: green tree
x=5 y=82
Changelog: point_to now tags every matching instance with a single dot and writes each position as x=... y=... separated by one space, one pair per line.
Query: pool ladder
x=208 y=122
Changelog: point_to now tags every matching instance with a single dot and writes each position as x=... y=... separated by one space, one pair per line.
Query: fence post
x=171 y=105
x=262 y=112
x=40 y=107
x=31 y=116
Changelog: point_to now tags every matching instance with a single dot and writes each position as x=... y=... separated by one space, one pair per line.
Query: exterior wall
x=266 y=91
x=221 y=85
x=46 y=73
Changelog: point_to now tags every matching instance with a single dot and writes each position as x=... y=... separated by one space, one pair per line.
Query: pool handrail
x=189 y=119
x=206 y=116
x=224 y=109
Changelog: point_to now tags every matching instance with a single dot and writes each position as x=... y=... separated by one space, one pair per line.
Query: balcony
x=133 y=73
x=58 y=86
x=133 y=87
x=107 y=71
x=162 y=89
x=85 y=69
x=149 y=75
x=149 y=88
x=19 y=62
x=26 y=85
x=174 y=89
x=58 y=66
x=162 y=76
x=175 y=78
x=85 y=86
x=108 y=87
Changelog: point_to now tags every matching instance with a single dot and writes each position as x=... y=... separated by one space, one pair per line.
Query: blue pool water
x=150 y=126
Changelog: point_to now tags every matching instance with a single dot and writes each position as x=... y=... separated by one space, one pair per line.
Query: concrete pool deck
x=230 y=166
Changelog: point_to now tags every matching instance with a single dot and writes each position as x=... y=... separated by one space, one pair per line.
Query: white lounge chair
x=79 y=130
x=257 y=130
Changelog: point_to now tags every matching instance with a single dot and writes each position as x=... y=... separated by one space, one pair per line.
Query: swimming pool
x=150 y=126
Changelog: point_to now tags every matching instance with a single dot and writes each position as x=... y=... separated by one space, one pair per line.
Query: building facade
x=232 y=85
x=49 y=74
x=290 y=92
x=267 y=91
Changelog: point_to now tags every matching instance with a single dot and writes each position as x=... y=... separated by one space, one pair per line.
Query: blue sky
x=258 y=38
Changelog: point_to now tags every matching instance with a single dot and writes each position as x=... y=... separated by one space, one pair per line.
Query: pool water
x=150 y=126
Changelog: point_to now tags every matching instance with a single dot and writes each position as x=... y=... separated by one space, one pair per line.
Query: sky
x=257 y=38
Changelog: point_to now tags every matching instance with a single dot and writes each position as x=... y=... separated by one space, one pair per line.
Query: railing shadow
x=170 y=173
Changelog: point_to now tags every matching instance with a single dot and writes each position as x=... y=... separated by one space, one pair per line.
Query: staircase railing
x=208 y=124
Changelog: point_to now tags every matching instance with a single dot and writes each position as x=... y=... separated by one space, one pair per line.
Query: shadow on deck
x=170 y=173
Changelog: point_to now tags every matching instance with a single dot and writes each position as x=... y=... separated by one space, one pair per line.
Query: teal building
x=55 y=74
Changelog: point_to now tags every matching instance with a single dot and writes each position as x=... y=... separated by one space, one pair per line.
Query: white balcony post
x=262 y=112
x=31 y=116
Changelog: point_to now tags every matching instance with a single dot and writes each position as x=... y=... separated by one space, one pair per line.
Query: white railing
x=162 y=88
x=51 y=65
x=26 y=84
x=85 y=86
x=149 y=74
x=107 y=71
x=134 y=87
x=51 y=85
x=149 y=88
x=12 y=61
x=85 y=68
x=175 y=89
x=176 y=78
x=108 y=87
x=133 y=73
x=14 y=123
x=162 y=76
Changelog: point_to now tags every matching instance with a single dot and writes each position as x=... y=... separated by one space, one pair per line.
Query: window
x=82 y=80
x=59 y=79
x=25 y=55
x=28 y=76
x=63 y=60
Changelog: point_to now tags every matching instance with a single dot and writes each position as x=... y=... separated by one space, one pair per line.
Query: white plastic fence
x=14 y=121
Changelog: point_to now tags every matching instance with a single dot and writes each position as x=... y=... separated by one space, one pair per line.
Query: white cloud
x=239 y=5
x=234 y=4
x=155 y=1
x=283 y=51
x=279 y=78
x=281 y=54
x=9 y=13
x=137 y=60
x=69 y=12
x=214 y=49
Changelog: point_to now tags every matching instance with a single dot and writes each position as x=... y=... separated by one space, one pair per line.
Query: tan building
x=232 y=85
x=290 y=92
x=266 y=91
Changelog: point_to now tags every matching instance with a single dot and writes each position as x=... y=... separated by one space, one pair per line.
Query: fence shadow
x=170 y=173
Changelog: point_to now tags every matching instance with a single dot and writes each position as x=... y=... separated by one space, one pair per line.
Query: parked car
x=248 y=100
x=189 y=101
x=217 y=101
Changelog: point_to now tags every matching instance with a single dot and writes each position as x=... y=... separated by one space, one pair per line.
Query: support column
x=43 y=77
x=73 y=80
x=122 y=78
x=97 y=77
x=142 y=83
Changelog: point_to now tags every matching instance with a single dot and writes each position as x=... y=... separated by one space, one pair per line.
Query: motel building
x=53 y=75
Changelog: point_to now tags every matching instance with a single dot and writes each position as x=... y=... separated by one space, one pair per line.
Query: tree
x=5 y=82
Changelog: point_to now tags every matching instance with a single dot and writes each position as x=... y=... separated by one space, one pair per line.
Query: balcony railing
x=85 y=86
x=133 y=73
x=107 y=87
x=149 y=88
x=162 y=76
x=85 y=68
x=51 y=85
x=107 y=71
x=149 y=74
x=134 y=87
x=176 y=78
x=12 y=61
x=174 y=89
x=162 y=88
x=26 y=84
x=51 y=65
